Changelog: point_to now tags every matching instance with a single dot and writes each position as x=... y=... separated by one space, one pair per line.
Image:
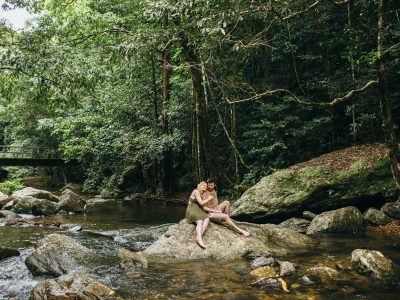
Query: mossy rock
x=289 y=192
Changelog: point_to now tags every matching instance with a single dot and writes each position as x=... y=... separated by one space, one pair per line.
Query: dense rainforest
x=156 y=95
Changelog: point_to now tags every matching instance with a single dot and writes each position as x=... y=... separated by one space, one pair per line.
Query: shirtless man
x=224 y=207
x=219 y=212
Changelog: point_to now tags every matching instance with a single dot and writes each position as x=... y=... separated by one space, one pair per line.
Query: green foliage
x=86 y=78
x=10 y=186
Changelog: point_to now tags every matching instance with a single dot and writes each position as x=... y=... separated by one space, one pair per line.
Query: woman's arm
x=196 y=194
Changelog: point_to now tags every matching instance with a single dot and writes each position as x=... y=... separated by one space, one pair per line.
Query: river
x=204 y=279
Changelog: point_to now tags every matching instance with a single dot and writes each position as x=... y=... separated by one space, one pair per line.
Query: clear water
x=204 y=279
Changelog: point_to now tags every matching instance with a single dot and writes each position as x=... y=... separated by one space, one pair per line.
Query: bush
x=9 y=187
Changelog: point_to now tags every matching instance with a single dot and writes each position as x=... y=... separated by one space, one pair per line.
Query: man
x=213 y=205
x=219 y=213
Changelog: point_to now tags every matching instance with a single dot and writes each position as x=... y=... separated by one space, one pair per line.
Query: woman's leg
x=205 y=225
x=199 y=228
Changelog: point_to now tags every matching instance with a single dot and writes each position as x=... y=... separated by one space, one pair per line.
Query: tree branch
x=82 y=39
x=332 y=103
x=297 y=13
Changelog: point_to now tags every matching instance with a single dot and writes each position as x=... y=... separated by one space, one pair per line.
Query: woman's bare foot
x=200 y=243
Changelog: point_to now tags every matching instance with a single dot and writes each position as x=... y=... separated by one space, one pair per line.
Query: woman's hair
x=199 y=185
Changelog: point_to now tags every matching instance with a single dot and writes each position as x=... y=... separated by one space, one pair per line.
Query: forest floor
x=341 y=160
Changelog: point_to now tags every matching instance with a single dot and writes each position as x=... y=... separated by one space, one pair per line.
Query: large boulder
x=4 y=199
x=70 y=287
x=8 y=214
x=221 y=242
x=370 y=262
x=375 y=217
x=392 y=209
x=37 y=202
x=71 y=202
x=347 y=219
x=35 y=193
x=35 y=206
x=328 y=182
x=57 y=254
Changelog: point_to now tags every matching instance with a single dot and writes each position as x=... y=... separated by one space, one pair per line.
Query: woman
x=195 y=213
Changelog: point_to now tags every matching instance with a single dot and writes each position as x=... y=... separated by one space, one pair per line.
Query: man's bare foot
x=245 y=233
x=200 y=243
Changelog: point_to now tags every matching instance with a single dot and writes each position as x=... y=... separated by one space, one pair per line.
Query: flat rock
x=70 y=287
x=221 y=242
x=35 y=193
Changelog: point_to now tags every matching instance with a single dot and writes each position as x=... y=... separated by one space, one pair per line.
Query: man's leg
x=225 y=207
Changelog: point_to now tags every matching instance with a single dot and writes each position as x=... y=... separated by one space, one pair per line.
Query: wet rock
x=9 y=205
x=392 y=209
x=375 y=217
x=8 y=214
x=264 y=272
x=18 y=222
x=289 y=192
x=31 y=192
x=269 y=282
x=253 y=254
x=57 y=254
x=286 y=268
x=4 y=199
x=130 y=261
x=8 y=252
x=308 y=215
x=139 y=239
x=370 y=262
x=221 y=242
x=262 y=261
x=35 y=206
x=347 y=219
x=71 y=202
x=70 y=287
x=310 y=279
x=295 y=224
x=322 y=271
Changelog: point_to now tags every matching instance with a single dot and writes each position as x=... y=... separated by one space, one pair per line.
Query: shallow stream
x=204 y=279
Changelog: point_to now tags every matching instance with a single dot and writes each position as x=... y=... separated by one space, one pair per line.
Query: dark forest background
x=152 y=96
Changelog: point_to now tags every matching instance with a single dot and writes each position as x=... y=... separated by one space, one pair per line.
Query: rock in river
x=392 y=209
x=71 y=287
x=57 y=254
x=370 y=262
x=71 y=202
x=8 y=252
x=318 y=188
x=179 y=242
x=375 y=217
x=347 y=219
x=4 y=199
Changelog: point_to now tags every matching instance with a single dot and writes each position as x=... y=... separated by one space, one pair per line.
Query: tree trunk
x=167 y=164
x=204 y=161
x=388 y=127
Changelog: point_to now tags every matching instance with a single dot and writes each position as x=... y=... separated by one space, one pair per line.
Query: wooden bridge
x=31 y=156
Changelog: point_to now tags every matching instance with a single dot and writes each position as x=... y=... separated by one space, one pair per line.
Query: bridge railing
x=21 y=152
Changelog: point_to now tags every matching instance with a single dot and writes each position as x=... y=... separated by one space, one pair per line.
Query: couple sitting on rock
x=203 y=206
